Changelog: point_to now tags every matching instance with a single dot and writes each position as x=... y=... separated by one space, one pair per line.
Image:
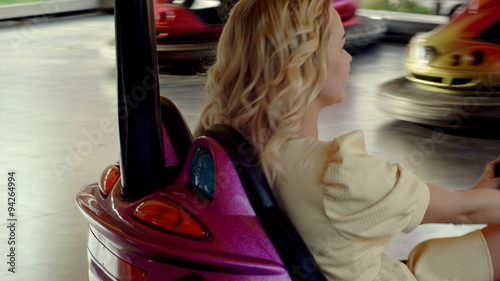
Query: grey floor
x=58 y=131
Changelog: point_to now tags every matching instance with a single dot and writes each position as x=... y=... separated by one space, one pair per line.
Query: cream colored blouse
x=347 y=205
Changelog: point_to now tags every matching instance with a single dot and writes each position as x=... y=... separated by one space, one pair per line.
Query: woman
x=278 y=64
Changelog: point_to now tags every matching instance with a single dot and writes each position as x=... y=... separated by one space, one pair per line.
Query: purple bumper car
x=175 y=208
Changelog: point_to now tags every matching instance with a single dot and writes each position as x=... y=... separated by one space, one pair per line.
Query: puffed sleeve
x=366 y=196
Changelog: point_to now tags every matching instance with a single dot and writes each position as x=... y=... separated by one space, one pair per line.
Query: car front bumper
x=186 y=51
x=402 y=100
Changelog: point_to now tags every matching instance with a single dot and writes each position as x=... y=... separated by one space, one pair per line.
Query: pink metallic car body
x=233 y=245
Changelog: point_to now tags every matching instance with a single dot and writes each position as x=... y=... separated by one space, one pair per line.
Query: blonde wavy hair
x=271 y=63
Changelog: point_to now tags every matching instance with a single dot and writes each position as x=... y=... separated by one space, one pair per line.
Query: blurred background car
x=453 y=72
x=189 y=29
x=461 y=56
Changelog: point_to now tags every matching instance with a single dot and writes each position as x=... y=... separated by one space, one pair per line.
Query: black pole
x=141 y=141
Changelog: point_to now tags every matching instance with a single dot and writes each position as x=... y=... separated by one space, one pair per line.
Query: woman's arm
x=478 y=205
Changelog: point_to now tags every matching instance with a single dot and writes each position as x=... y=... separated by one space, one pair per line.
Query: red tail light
x=167 y=215
x=109 y=178
x=128 y=272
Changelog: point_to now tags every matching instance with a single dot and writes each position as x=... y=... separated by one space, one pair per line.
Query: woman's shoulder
x=351 y=143
x=353 y=138
x=303 y=151
x=347 y=154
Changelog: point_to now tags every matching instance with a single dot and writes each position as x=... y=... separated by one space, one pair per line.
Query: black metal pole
x=141 y=141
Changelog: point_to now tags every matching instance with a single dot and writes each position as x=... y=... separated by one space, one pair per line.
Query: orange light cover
x=129 y=272
x=167 y=215
x=109 y=177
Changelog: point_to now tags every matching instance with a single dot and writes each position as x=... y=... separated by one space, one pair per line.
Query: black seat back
x=292 y=250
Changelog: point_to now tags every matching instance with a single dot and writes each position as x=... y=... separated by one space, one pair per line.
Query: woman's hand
x=487 y=179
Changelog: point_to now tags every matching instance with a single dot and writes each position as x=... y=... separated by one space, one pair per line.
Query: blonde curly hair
x=271 y=63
